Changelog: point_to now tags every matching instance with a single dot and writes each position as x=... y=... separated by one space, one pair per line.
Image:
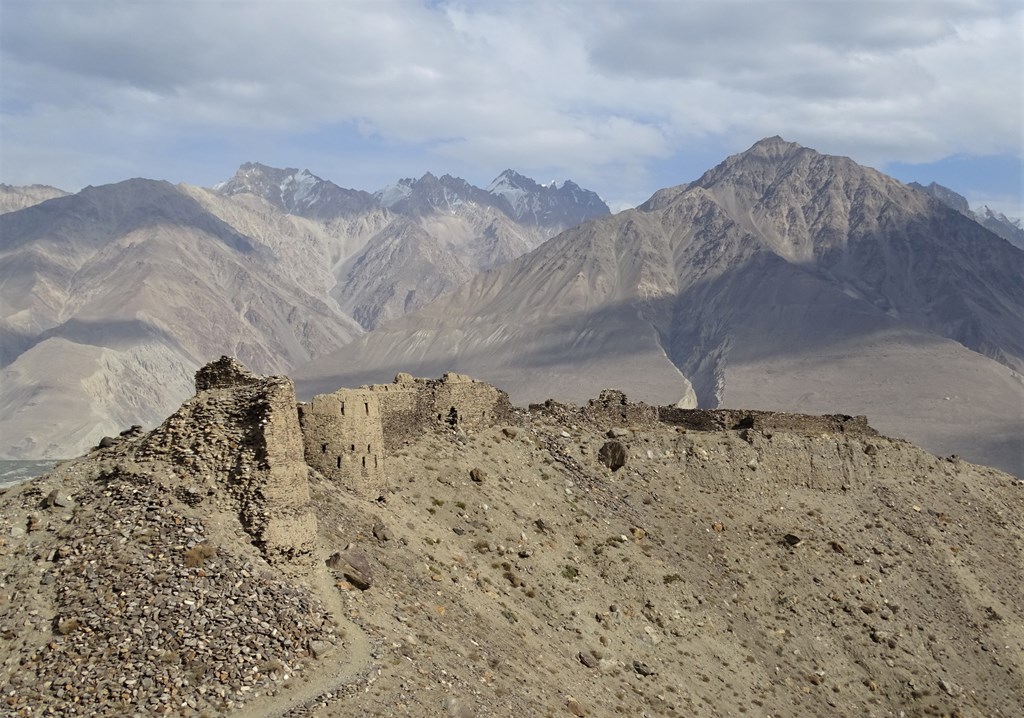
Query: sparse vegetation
x=198 y=554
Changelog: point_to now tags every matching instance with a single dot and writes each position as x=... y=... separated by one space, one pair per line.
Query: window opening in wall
x=368 y=449
x=339 y=462
x=352 y=447
x=453 y=417
x=343 y=408
x=323 y=448
x=367 y=405
x=364 y=462
x=375 y=461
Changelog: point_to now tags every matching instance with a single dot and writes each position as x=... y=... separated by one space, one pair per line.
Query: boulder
x=613 y=455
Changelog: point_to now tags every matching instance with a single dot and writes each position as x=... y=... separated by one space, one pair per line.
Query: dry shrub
x=197 y=555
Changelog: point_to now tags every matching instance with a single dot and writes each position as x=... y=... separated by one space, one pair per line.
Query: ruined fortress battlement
x=241 y=433
x=349 y=432
x=253 y=444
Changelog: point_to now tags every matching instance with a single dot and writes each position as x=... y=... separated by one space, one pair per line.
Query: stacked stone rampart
x=348 y=433
x=614 y=409
x=240 y=436
x=764 y=421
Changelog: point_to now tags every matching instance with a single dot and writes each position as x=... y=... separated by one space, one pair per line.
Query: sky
x=622 y=96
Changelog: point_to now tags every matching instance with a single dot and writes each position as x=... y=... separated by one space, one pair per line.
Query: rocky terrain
x=781 y=279
x=608 y=559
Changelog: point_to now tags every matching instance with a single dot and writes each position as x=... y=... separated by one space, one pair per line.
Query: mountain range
x=781 y=279
x=109 y=298
x=1009 y=229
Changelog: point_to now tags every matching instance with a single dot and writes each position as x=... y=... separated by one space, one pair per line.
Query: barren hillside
x=735 y=563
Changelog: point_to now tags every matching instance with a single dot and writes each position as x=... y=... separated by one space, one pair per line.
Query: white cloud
x=590 y=90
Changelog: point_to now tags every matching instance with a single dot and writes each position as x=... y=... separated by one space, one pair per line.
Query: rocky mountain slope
x=110 y=298
x=14 y=197
x=996 y=222
x=780 y=279
x=294 y=192
x=434 y=232
x=730 y=563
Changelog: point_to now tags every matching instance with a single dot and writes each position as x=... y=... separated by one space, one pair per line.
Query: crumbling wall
x=406 y=408
x=764 y=421
x=238 y=441
x=468 y=403
x=349 y=432
x=614 y=409
x=344 y=439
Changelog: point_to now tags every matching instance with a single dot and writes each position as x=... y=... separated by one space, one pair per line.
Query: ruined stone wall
x=764 y=421
x=407 y=409
x=343 y=436
x=239 y=441
x=348 y=433
x=289 y=526
x=614 y=409
x=468 y=403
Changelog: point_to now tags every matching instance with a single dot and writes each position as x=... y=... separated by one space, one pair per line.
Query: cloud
x=599 y=91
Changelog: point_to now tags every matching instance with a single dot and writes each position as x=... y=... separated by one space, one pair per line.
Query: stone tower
x=344 y=439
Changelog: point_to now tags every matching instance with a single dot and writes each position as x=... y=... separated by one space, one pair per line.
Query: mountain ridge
x=111 y=296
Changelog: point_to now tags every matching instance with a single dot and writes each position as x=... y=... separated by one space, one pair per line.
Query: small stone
x=510 y=431
x=574 y=707
x=319 y=649
x=792 y=540
x=643 y=669
x=587 y=659
x=617 y=433
x=381 y=532
x=718 y=527
x=477 y=475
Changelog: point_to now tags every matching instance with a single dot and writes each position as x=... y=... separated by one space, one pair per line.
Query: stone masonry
x=344 y=438
x=349 y=432
x=241 y=433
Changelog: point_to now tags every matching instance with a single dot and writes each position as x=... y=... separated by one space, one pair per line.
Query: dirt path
x=333 y=672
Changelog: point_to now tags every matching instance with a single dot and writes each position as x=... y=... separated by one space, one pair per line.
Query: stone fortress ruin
x=249 y=446
x=252 y=444
x=349 y=432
